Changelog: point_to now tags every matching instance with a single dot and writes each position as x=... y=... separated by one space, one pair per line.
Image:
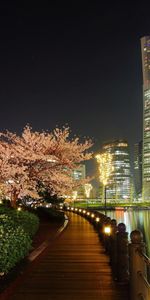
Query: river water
x=134 y=220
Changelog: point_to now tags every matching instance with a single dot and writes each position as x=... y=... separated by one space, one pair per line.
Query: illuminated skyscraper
x=119 y=185
x=145 y=47
x=138 y=167
x=79 y=174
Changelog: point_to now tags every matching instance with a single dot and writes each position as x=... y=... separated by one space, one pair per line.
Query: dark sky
x=78 y=64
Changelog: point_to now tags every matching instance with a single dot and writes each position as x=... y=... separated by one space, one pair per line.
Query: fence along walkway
x=74 y=267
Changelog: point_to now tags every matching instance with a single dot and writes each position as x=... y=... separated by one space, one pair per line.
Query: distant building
x=79 y=174
x=138 y=167
x=119 y=186
x=145 y=48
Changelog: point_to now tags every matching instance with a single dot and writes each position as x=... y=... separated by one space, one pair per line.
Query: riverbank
x=112 y=206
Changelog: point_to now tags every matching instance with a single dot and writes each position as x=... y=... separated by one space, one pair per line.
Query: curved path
x=73 y=267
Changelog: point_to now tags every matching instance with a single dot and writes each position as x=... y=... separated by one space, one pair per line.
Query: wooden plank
x=74 y=267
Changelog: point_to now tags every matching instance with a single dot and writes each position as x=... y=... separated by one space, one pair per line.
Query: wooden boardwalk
x=74 y=267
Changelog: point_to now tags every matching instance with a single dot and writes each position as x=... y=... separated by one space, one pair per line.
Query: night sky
x=77 y=64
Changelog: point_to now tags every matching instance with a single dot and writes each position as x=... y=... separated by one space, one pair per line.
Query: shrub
x=16 y=230
x=15 y=243
x=29 y=221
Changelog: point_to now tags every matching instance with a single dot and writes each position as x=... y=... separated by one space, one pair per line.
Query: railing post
x=97 y=223
x=113 y=248
x=101 y=227
x=105 y=237
x=137 y=265
x=122 y=254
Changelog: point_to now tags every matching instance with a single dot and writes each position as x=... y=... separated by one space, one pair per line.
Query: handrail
x=140 y=274
x=144 y=256
x=141 y=297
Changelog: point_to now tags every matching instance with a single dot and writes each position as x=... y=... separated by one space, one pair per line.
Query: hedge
x=29 y=221
x=16 y=229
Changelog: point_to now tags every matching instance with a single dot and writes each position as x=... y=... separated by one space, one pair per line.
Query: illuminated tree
x=105 y=167
x=74 y=195
x=43 y=157
x=88 y=187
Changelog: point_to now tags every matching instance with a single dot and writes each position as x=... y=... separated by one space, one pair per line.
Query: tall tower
x=119 y=185
x=145 y=47
x=138 y=167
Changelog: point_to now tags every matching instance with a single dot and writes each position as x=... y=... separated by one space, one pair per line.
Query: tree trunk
x=14 y=197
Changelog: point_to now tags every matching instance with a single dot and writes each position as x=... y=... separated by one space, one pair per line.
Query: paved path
x=74 y=267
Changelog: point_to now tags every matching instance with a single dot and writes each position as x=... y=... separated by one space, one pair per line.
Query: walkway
x=74 y=267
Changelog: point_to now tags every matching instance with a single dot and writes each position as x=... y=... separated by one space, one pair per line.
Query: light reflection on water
x=134 y=220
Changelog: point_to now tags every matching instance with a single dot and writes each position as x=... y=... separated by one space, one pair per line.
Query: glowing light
x=19 y=208
x=74 y=195
x=92 y=215
x=51 y=160
x=97 y=220
x=10 y=181
x=88 y=187
x=122 y=145
x=107 y=230
x=71 y=208
x=80 y=210
x=76 y=209
x=84 y=211
x=88 y=213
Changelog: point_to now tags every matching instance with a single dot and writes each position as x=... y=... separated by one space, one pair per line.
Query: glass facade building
x=145 y=48
x=79 y=174
x=138 y=167
x=119 y=185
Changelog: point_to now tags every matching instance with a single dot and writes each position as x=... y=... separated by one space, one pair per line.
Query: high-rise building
x=138 y=167
x=79 y=174
x=119 y=185
x=145 y=47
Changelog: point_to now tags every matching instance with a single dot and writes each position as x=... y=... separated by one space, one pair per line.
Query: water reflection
x=134 y=220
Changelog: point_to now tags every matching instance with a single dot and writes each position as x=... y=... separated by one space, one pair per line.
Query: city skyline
x=81 y=67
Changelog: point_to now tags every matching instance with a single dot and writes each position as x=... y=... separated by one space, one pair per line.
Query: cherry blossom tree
x=40 y=156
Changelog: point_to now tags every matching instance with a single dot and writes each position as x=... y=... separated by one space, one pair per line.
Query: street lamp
x=105 y=169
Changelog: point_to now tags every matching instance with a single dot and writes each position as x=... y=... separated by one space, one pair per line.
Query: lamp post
x=105 y=197
x=105 y=169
